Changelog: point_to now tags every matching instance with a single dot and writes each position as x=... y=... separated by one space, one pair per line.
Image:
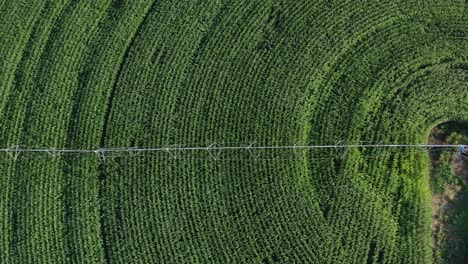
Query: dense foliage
x=88 y=74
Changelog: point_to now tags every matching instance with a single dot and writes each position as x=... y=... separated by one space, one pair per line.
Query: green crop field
x=89 y=75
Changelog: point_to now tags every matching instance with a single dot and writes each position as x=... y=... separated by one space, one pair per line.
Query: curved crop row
x=87 y=74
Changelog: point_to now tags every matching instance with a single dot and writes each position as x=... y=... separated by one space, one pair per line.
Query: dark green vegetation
x=449 y=182
x=89 y=74
x=443 y=174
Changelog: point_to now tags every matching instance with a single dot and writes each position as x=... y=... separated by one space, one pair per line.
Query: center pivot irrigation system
x=214 y=149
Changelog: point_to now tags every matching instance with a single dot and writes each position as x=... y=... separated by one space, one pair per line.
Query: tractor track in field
x=102 y=169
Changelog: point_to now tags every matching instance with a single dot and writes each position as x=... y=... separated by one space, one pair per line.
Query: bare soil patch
x=445 y=207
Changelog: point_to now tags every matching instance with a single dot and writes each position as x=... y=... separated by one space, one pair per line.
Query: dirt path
x=445 y=236
x=460 y=168
x=444 y=207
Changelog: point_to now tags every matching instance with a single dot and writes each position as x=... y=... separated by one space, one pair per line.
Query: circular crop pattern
x=128 y=74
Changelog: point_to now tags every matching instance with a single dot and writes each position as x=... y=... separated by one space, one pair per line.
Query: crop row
x=121 y=74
